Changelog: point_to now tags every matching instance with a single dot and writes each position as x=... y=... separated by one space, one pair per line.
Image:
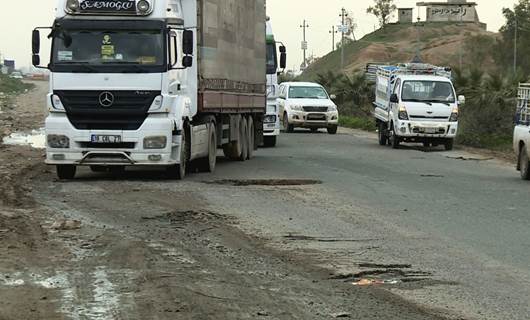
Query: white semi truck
x=271 y=129
x=416 y=103
x=521 y=136
x=154 y=83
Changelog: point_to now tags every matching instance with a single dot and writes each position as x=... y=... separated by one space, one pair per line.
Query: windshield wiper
x=440 y=101
x=418 y=100
x=81 y=65
x=132 y=64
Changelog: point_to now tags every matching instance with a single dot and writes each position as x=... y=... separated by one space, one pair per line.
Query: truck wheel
x=381 y=132
x=269 y=141
x=251 y=137
x=449 y=144
x=332 y=129
x=66 y=172
x=243 y=137
x=525 y=164
x=179 y=171
x=208 y=163
x=394 y=139
x=289 y=128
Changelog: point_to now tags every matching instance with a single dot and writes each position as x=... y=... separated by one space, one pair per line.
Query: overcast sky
x=19 y=18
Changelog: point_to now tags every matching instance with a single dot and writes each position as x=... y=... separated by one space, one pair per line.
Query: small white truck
x=415 y=103
x=521 y=136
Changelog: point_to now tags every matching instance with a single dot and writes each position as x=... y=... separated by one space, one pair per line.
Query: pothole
x=35 y=139
x=266 y=182
x=181 y=218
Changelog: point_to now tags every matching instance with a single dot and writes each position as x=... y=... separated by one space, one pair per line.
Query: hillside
x=439 y=43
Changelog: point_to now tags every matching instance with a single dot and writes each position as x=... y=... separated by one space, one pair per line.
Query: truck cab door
x=393 y=105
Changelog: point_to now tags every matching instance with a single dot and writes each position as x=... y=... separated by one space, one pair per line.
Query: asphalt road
x=444 y=235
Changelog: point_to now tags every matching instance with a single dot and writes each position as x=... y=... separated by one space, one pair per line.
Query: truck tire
x=243 y=137
x=449 y=144
x=208 y=163
x=179 y=171
x=289 y=128
x=333 y=129
x=66 y=172
x=381 y=132
x=270 y=141
x=524 y=163
x=251 y=137
x=394 y=139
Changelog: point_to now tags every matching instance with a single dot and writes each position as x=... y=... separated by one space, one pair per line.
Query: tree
x=383 y=10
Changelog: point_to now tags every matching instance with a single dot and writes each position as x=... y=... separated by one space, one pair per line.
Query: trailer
x=162 y=83
x=521 y=136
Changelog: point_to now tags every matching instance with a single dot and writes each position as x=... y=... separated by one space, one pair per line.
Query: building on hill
x=405 y=15
x=452 y=11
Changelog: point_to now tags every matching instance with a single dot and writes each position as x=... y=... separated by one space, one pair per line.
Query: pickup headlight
x=56 y=141
x=332 y=109
x=297 y=108
x=57 y=104
x=157 y=142
x=271 y=118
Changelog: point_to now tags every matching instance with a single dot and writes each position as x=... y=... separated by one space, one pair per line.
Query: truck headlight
x=57 y=104
x=56 y=141
x=403 y=114
x=72 y=5
x=271 y=118
x=454 y=115
x=156 y=142
x=143 y=6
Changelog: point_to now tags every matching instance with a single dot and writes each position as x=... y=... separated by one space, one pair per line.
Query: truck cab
x=521 y=136
x=152 y=83
x=416 y=103
x=275 y=62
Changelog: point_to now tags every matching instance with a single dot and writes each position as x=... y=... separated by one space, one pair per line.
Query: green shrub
x=13 y=86
x=362 y=123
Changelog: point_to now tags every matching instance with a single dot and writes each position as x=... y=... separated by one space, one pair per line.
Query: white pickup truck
x=521 y=136
x=416 y=103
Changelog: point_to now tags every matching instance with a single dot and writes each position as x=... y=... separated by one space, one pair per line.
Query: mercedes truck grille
x=107 y=110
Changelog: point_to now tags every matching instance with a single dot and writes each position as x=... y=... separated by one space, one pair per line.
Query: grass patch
x=362 y=123
x=13 y=86
x=486 y=141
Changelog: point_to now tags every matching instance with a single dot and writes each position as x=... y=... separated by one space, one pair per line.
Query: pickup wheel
x=524 y=162
x=66 y=172
x=208 y=163
x=270 y=141
x=333 y=129
x=449 y=144
x=289 y=128
x=381 y=132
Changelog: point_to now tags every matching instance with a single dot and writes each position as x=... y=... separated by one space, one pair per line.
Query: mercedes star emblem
x=106 y=99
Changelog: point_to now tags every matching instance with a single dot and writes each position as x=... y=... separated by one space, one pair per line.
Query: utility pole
x=304 y=26
x=515 y=47
x=461 y=45
x=333 y=31
x=343 y=16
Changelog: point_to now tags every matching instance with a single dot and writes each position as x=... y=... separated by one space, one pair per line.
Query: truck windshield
x=272 y=58
x=428 y=91
x=307 y=93
x=96 y=48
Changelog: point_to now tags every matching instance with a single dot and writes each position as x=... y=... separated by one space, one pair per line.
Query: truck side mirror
x=187 y=42
x=187 y=61
x=35 y=42
x=35 y=60
x=394 y=98
x=283 y=57
x=461 y=100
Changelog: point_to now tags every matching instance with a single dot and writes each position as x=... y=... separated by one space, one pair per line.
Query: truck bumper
x=130 y=151
x=413 y=129
x=314 y=120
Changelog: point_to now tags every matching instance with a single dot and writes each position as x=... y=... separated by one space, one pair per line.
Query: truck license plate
x=96 y=138
x=430 y=130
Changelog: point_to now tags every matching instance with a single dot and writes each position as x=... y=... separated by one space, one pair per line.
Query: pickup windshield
x=428 y=91
x=307 y=93
x=94 y=49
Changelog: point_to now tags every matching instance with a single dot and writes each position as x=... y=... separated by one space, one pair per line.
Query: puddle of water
x=35 y=139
